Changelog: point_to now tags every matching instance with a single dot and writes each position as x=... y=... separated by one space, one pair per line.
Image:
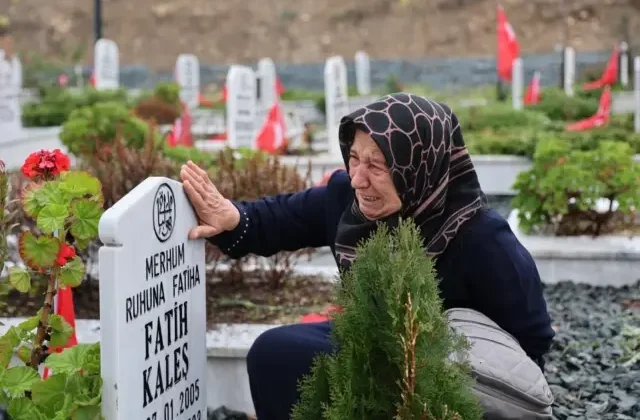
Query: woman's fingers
x=198 y=170
x=201 y=177
x=203 y=232
x=197 y=183
x=194 y=196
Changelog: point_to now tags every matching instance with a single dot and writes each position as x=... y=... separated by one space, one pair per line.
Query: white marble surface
x=607 y=260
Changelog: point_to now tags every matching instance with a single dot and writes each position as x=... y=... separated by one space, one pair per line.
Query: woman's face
x=371 y=179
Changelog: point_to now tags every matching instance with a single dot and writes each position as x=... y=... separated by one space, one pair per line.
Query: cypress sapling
x=394 y=342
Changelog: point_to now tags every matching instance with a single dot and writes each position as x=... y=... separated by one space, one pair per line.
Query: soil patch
x=227 y=302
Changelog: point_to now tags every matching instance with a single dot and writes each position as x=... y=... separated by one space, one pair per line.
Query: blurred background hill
x=154 y=32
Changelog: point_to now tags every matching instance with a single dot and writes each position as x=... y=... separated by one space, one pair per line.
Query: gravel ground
x=585 y=367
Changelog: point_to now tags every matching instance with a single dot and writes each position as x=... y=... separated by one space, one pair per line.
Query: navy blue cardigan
x=484 y=268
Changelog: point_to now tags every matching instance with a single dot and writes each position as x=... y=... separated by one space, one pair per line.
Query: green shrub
x=591 y=139
x=99 y=124
x=56 y=104
x=394 y=342
x=182 y=154
x=522 y=142
x=168 y=92
x=556 y=105
x=93 y=96
x=559 y=193
x=498 y=117
x=503 y=142
x=293 y=94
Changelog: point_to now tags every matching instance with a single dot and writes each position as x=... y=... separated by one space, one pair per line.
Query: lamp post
x=97 y=19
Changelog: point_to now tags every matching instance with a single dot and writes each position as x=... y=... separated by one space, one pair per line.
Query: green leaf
x=52 y=217
x=31 y=323
x=38 y=253
x=24 y=353
x=72 y=272
x=88 y=412
x=69 y=360
x=80 y=183
x=61 y=331
x=17 y=380
x=20 y=279
x=8 y=343
x=87 y=215
x=50 y=392
x=50 y=193
x=23 y=409
x=30 y=203
x=90 y=361
x=82 y=244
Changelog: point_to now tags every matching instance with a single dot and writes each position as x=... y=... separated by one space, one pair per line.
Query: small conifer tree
x=394 y=342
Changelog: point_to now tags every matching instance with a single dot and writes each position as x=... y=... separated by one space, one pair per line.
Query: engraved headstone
x=152 y=307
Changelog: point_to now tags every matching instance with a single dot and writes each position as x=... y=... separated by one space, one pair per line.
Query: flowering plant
x=66 y=206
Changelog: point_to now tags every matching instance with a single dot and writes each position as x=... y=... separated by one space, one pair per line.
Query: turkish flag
x=280 y=89
x=532 y=96
x=180 y=134
x=225 y=93
x=271 y=137
x=609 y=75
x=508 y=47
x=322 y=316
x=63 y=306
x=600 y=118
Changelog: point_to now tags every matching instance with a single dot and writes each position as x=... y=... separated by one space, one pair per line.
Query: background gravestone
x=188 y=78
x=107 y=64
x=152 y=307
x=10 y=107
x=241 y=107
x=336 y=99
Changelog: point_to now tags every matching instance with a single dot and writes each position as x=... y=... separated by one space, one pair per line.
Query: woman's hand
x=216 y=214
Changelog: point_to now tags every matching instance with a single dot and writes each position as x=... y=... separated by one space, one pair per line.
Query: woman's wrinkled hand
x=216 y=214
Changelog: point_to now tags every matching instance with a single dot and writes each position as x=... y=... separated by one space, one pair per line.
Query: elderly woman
x=405 y=157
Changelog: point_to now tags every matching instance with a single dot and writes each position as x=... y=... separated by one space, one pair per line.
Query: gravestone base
x=608 y=260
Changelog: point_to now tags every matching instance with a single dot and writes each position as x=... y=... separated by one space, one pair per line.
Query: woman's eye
x=353 y=160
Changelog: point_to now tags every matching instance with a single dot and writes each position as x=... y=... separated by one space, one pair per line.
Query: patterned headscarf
x=431 y=169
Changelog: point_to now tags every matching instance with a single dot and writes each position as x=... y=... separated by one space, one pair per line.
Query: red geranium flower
x=45 y=164
x=65 y=254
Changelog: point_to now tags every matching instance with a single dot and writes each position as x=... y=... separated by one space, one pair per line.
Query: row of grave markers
x=624 y=103
x=245 y=104
x=569 y=73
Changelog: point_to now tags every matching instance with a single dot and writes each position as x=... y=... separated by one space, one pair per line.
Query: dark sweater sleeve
x=284 y=222
x=507 y=288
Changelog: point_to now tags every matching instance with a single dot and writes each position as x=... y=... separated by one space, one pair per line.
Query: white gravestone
x=268 y=87
x=107 y=65
x=363 y=73
x=517 y=84
x=624 y=64
x=336 y=100
x=152 y=307
x=569 y=70
x=241 y=107
x=188 y=78
x=10 y=107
